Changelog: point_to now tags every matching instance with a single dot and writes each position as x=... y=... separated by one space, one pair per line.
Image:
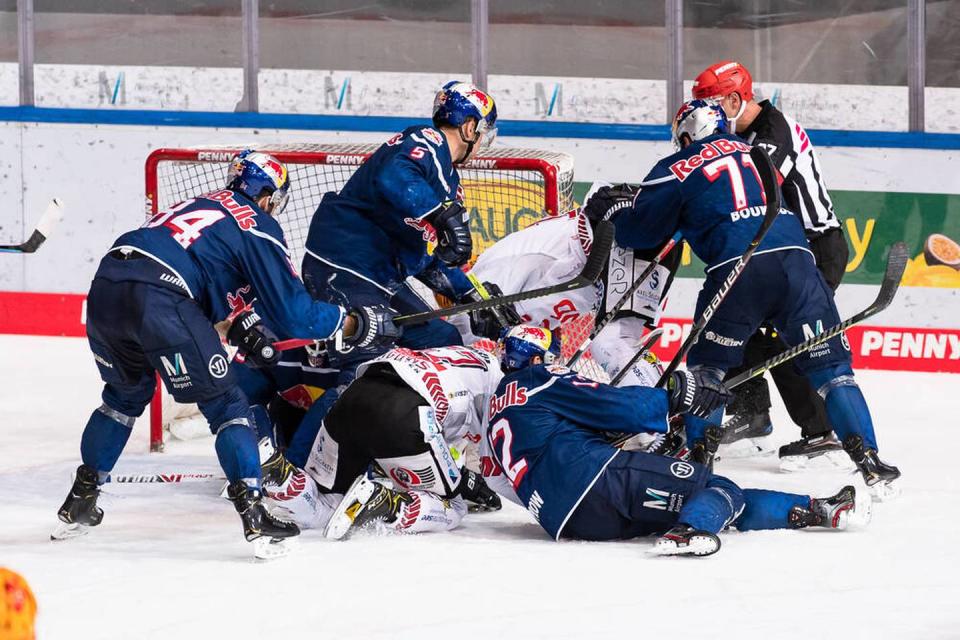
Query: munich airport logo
x=176 y=368
x=552 y=106
x=337 y=96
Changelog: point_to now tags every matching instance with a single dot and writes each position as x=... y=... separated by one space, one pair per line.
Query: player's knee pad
x=237 y=451
x=104 y=438
x=714 y=507
x=128 y=401
x=228 y=408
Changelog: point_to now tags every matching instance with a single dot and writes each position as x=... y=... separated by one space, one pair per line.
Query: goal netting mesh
x=505 y=190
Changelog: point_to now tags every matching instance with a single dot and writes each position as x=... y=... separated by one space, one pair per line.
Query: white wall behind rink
x=98 y=171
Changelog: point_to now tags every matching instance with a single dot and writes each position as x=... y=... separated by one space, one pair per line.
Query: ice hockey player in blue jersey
x=152 y=307
x=546 y=433
x=710 y=191
x=366 y=240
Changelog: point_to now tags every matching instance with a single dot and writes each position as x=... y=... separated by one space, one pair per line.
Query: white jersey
x=457 y=382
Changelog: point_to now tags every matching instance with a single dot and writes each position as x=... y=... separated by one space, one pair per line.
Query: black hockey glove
x=254 y=340
x=696 y=392
x=603 y=204
x=374 y=327
x=488 y=323
x=703 y=451
x=474 y=489
x=454 y=243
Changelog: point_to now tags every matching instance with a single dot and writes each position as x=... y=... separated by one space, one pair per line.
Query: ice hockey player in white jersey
x=555 y=250
x=412 y=414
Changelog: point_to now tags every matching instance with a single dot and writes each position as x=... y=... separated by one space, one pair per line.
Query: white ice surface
x=169 y=561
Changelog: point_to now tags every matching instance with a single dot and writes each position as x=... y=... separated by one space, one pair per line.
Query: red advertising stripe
x=885 y=348
x=42 y=314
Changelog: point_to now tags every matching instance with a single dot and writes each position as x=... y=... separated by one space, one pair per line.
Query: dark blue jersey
x=224 y=251
x=546 y=432
x=376 y=226
x=712 y=193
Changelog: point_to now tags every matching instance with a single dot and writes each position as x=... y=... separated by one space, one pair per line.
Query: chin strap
x=470 y=144
x=733 y=120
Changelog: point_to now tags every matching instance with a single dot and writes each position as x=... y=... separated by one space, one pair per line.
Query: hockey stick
x=45 y=226
x=896 y=264
x=602 y=243
x=647 y=344
x=627 y=296
x=771 y=192
x=153 y=478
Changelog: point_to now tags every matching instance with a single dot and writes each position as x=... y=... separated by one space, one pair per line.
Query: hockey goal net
x=505 y=190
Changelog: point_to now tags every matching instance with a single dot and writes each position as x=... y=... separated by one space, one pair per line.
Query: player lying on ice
x=545 y=449
x=152 y=308
x=410 y=413
x=555 y=250
x=711 y=192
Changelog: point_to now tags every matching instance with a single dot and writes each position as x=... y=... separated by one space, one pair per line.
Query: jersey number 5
x=515 y=469
x=729 y=165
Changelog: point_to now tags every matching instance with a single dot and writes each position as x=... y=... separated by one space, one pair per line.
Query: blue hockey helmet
x=698 y=119
x=457 y=101
x=256 y=174
x=520 y=343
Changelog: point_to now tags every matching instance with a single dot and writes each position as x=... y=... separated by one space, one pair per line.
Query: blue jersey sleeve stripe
x=666 y=178
x=267 y=236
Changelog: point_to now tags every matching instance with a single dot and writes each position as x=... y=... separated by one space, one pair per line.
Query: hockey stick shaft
x=626 y=297
x=896 y=263
x=160 y=478
x=602 y=243
x=45 y=226
x=768 y=179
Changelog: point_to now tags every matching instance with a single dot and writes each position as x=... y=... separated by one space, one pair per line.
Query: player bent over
x=152 y=308
x=412 y=414
x=710 y=190
x=548 y=453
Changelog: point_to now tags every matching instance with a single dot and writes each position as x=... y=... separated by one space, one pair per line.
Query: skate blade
x=885 y=491
x=829 y=460
x=745 y=448
x=859 y=516
x=699 y=546
x=343 y=517
x=265 y=548
x=66 y=531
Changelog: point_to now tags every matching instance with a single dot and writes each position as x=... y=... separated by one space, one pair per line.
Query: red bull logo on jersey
x=424 y=227
x=514 y=395
x=710 y=151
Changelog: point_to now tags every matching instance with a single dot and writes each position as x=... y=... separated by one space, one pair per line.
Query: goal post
x=505 y=189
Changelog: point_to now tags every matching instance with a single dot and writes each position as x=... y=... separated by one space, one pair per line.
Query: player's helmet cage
x=457 y=101
x=699 y=119
x=521 y=343
x=252 y=173
x=723 y=78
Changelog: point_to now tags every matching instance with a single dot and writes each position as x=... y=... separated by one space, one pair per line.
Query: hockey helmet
x=255 y=174
x=698 y=119
x=723 y=78
x=18 y=607
x=521 y=343
x=457 y=101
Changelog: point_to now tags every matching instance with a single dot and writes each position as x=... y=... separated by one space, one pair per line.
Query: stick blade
x=51 y=217
x=599 y=253
x=896 y=265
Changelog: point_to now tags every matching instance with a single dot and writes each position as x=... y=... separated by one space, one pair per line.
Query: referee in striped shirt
x=804 y=193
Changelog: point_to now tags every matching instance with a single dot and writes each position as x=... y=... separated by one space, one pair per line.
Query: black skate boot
x=79 y=511
x=267 y=533
x=796 y=455
x=685 y=540
x=878 y=475
x=743 y=425
x=835 y=512
x=704 y=450
x=365 y=502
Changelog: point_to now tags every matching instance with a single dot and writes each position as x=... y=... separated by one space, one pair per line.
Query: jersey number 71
x=728 y=165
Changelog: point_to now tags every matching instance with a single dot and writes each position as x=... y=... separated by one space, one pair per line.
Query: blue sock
x=103 y=439
x=848 y=412
x=713 y=507
x=237 y=451
x=263 y=425
x=768 y=509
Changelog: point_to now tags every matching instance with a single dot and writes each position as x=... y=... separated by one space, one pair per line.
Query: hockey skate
x=364 y=503
x=836 y=512
x=79 y=511
x=276 y=472
x=271 y=537
x=813 y=451
x=745 y=436
x=879 y=476
x=685 y=540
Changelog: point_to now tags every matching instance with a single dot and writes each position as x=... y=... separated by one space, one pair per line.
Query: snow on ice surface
x=169 y=561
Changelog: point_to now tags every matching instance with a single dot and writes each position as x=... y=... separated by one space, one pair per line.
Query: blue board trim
x=524 y=128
